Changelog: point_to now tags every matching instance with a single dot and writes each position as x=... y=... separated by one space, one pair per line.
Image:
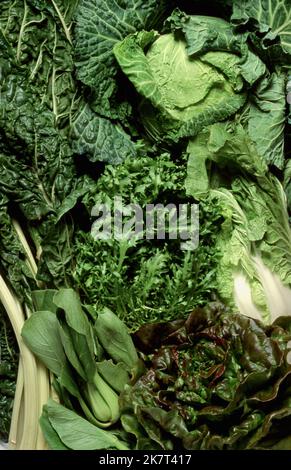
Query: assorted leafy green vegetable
x=145 y=102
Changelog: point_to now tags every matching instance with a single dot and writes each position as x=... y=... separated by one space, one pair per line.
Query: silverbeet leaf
x=37 y=167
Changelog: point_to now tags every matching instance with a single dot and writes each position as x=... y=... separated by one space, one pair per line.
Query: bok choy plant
x=91 y=366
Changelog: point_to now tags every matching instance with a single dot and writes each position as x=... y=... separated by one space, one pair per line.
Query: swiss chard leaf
x=37 y=97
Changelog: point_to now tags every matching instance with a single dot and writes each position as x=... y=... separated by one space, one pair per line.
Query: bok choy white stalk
x=278 y=296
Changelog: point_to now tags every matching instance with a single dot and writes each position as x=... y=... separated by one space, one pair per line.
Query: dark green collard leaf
x=98 y=138
x=212 y=382
x=272 y=20
x=100 y=24
x=115 y=338
x=267 y=118
x=77 y=433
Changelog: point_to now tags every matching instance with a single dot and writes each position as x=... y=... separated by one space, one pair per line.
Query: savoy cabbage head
x=194 y=75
